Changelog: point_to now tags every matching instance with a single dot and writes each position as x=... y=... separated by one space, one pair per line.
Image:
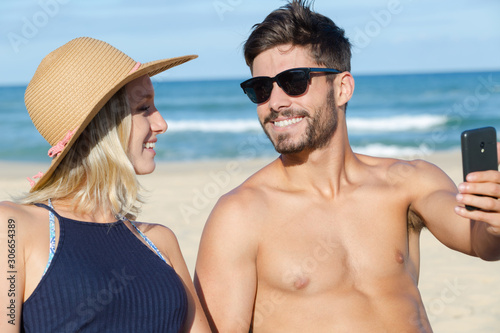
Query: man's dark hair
x=296 y=24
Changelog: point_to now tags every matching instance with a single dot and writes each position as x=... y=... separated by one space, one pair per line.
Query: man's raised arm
x=485 y=229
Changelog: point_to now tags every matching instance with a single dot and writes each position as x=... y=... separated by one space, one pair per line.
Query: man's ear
x=346 y=82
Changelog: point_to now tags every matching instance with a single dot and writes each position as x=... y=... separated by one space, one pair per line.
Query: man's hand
x=486 y=184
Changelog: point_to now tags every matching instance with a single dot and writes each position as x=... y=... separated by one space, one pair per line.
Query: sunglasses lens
x=258 y=89
x=293 y=82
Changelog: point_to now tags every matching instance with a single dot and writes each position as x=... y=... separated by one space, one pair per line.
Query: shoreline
x=460 y=293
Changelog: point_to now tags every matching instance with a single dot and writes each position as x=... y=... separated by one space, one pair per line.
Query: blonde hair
x=96 y=174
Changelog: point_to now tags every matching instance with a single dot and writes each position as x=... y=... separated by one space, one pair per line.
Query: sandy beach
x=460 y=293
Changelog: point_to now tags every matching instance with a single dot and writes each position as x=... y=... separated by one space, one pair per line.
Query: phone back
x=479 y=150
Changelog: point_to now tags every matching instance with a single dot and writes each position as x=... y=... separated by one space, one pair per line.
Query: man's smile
x=287 y=122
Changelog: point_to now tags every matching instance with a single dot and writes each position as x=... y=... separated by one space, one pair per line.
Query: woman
x=76 y=260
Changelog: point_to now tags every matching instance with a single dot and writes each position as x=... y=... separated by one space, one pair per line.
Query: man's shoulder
x=415 y=177
x=246 y=204
x=254 y=188
x=245 y=198
x=402 y=170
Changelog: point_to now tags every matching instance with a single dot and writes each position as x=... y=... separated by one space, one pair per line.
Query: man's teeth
x=148 y=145
x=287 y=122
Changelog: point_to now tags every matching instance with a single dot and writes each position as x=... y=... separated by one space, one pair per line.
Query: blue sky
x=389 y=36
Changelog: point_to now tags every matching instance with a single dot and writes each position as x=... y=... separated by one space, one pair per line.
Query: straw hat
x=73 y=83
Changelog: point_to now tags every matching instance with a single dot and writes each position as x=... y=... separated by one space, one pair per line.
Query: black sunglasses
x=293 y=81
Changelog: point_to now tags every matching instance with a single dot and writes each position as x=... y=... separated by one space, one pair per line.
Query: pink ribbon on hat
x=136 y=67
x=58 y=148
x=37 y=176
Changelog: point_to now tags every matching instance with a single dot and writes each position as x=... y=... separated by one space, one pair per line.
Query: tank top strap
x=52 y=230
x=48 y=207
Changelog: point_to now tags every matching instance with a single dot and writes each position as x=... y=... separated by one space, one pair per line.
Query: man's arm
x=437 y=201
x=485 y=230
x=226 y=274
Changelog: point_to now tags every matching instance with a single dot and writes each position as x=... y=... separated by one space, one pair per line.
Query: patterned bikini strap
x=52 y=228
x=146 y=239
x=52 y=247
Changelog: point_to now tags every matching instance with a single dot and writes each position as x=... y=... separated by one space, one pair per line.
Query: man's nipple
x=400 y=259
x=301 y=283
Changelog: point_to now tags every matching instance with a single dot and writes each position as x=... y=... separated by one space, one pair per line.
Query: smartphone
x=479 y=151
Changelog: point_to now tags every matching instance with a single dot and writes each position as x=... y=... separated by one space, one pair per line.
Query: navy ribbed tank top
x=103 y=278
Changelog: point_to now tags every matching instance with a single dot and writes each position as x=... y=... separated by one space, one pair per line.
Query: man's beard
x=318 y=132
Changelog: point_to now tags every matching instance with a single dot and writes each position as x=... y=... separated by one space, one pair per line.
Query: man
x=323 y=239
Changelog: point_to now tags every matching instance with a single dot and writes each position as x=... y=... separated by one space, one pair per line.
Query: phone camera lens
x=482 y=144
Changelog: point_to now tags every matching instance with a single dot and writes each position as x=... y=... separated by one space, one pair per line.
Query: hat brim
x=150 y=68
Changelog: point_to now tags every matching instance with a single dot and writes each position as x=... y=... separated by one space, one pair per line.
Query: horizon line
x=165 y=79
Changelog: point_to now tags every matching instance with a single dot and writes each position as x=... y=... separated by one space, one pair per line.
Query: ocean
x=389 y=115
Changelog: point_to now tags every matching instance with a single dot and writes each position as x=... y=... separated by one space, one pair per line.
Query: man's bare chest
x=315 y=246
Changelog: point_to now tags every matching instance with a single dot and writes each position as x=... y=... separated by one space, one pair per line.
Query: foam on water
x=217 y=126
x=396 y=123
x=391 y=115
